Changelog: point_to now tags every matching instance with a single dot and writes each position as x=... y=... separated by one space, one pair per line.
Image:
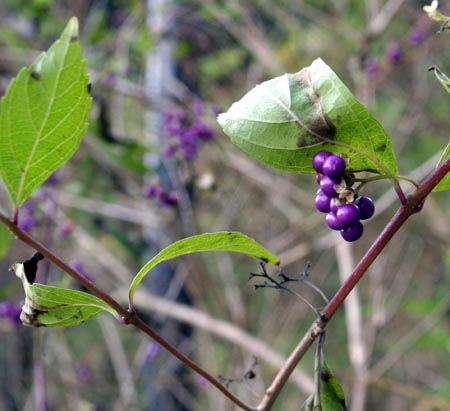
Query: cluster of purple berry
x=187 y=131
x=338 y=199
x=164 y=197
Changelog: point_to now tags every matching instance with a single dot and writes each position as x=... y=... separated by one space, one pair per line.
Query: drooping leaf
x=444 y=184
x=328 y=394
x=221 y=241
x=43 y=116
x=283 y=122
x=331 y=393
x=47 y=306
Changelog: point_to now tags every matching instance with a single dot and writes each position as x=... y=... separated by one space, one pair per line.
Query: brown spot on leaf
x=316 y=127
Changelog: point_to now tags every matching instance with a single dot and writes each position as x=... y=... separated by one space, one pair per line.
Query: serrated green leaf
x=43 y=116
x=48 y=306
x=221 y=241
x=283 y=122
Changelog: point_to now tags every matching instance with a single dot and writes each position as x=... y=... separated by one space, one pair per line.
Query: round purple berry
x=322 y=201
x=334 y=167
x=333 y=222
x=335 y=203
x=319 y=158
x=327 y=185
x=348 y=214
x=352 y=233
x=366 y=207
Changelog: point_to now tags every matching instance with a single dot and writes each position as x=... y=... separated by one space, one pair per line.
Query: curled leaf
x=47 y=306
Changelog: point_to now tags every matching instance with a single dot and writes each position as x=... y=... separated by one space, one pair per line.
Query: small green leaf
x=444 y=184
x=331 y=393
x=328 y=394
x=43 y=116
x=221 y=241
x=47 y=306
x=442 y=77
x=283 y=122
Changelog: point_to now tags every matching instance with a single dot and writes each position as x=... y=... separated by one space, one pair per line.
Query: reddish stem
x=125 y=317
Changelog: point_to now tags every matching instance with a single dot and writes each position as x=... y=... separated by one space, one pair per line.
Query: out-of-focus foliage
x=94 y=212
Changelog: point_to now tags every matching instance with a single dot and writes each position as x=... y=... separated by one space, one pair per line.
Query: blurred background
x=154 y=167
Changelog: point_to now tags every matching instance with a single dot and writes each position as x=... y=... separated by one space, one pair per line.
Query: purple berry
x=335 y=203
x=352 y=233
x=322 y=201
x=333 y=222
x=334 y=167
x=319 y=158
x=366 y=207
x=348 y=214
x=327 y=185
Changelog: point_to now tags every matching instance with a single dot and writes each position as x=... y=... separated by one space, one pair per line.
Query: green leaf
x=43 y=116
x=331 y=393
x=47 y=306
x=283 y=122
x=221 y=241
x=442 y=77
x=328 y=394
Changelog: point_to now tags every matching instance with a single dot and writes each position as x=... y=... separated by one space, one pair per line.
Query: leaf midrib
x=44 y=122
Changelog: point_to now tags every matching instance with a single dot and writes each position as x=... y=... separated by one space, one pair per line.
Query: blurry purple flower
x=170 y=199
x=154 y=191
x=202 y=130
x=27 y=222
x=153 y=350
x=169 y=150
x=216 y=109
x=110 y=79
x=394 y=54
x=202 y=381
x=66 y=229
x=28 y=207
x=83 y=372
x=53 y=178
x=197 y=108
x=189 y=148
x=417 y=36
x=372 y=67
x=11 y=312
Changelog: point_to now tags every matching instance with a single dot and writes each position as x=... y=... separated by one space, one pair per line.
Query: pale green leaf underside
x=444 y=184
x=60 y=307
x=43 y=116
x=221 y=241
x=283 y=122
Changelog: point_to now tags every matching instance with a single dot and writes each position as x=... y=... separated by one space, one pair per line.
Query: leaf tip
x=72 y=27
